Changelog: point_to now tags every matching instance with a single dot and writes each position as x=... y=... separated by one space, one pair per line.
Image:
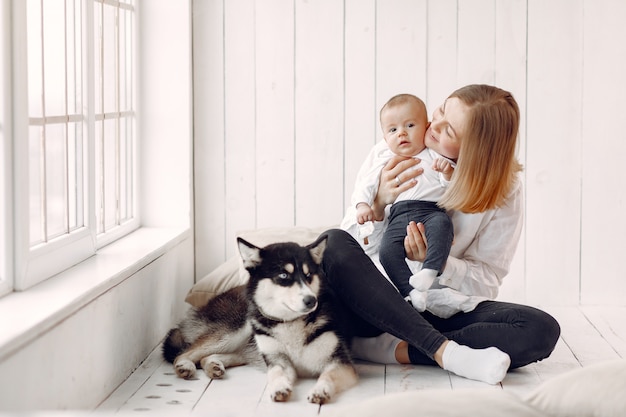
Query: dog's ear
x=317 y=249
x=250 y=254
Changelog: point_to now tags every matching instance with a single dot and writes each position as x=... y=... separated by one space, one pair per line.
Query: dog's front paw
x=185 y=368
x=214 y=369
x=281 y=395
x=318 y=397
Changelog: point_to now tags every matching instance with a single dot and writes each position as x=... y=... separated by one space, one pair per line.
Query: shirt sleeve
x=486 y=261
x=368 y=176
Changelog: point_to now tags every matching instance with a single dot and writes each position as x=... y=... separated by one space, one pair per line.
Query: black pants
x=439 y=235
x=371 y=305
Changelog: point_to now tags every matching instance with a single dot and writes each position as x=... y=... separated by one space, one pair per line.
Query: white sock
x=423 y=279
x=379 y=349
x=418 y=300
x=487 y=365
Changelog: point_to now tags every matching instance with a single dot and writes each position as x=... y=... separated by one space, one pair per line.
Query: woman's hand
x=396 y=177
x=415 y=244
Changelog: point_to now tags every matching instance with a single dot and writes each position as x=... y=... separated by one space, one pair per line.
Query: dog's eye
x=283 y=275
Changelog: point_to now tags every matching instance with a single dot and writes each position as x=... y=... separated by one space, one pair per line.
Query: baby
x=404 y=122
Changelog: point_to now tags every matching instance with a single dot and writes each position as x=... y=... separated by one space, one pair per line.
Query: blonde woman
x=463 y=329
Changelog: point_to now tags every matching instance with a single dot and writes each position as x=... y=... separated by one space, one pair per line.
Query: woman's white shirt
x=480 y=257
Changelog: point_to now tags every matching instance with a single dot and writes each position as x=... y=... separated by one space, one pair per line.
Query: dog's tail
x=173 y=345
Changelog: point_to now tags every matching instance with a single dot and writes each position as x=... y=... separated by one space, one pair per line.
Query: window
x=115 y=116
x=75 y=174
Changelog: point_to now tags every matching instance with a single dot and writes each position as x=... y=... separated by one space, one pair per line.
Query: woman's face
x=447 y=128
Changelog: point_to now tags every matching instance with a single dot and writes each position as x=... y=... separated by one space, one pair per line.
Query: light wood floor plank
x=239 y=391
x=128 y=388
x=296 y=406
x=589 y=335
x=371 y=384
x=610 y=322
x=164 y=391
x=401 y=378
x=583 y=339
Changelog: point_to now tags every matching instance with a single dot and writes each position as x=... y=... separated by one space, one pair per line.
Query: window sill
x=26 y=315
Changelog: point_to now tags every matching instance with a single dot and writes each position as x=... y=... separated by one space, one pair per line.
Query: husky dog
x=284 y=315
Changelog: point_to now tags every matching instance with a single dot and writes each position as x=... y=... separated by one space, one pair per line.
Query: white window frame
x=35 y=264
x=6 y=212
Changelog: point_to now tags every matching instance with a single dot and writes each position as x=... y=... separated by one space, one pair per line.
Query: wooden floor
x=589 y=335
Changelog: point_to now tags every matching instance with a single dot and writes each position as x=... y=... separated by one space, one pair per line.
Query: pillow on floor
x=440 y=403
x=595 y=390
x=232 y=273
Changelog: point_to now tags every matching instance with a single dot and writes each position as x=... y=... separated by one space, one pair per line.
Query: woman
x=463 y=330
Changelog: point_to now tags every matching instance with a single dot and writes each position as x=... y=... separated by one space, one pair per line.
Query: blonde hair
x=487 y=167
x=400 y=99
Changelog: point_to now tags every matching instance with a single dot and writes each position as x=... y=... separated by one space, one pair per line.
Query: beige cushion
x=440 y=403
x=595 y=390
x=232 y=273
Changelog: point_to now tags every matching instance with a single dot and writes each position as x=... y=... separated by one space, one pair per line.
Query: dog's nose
x=309 y=301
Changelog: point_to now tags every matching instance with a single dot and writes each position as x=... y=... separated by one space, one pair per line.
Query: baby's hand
x=364 y=213
x=444 y=166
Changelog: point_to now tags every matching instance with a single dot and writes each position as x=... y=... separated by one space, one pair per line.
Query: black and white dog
x=285 y=313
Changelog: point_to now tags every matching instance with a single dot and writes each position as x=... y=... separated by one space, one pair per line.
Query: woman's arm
x=483 y=264
x=389 y=188
x=485 y=246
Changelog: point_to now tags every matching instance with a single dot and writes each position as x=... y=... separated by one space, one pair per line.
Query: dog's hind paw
x=318 y=397
x=185 y=368
x=281 y=395
x=214 y=370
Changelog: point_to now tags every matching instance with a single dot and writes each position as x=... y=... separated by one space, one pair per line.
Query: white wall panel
x=361 y=128
x=275 y=130
x=476 y=42
x=313 y=75
x=553 y=160
x=319 y=112
x=240 y=116
x=442 y=52
x=603 y=190
x=401 y=28
x=510 y=74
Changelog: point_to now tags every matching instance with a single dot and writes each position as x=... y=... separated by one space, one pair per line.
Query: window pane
x=35 y=72
x=110 y=173
x=75 y=176
x=54 y=57
x=34 y=175
x=56 y=180
x=56 y=144
x=115 y=117
x=74 y=57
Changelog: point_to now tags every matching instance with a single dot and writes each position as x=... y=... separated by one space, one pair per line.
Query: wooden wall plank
x=400 y=49
x=553 y=150
x=361 y=127
x=476 y=42
x=275 y=132
x=319 y=111
x=239 y=118
x=442 y=52
x=510 y=74
x=603 y=190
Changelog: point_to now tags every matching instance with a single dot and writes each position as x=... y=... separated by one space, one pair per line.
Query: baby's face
x=404 y=126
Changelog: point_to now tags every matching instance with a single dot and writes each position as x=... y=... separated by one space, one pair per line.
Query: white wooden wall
x=287 y=94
